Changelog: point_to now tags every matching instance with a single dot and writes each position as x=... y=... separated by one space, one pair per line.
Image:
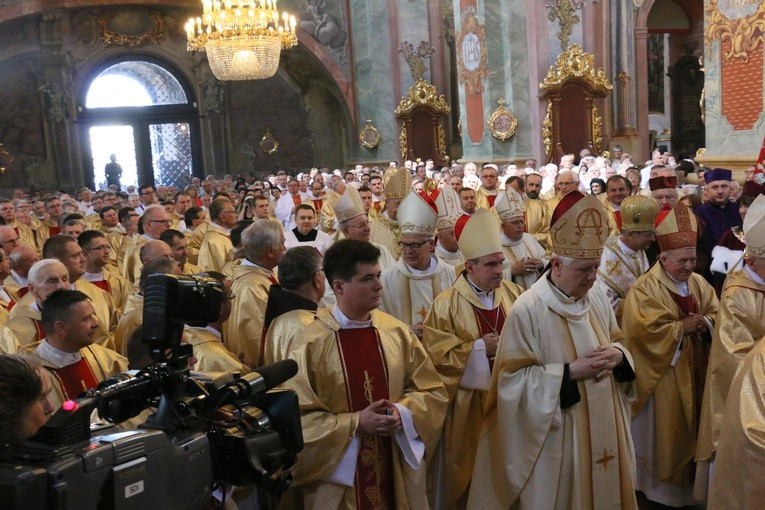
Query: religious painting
x=471 y=54
x=656 y=73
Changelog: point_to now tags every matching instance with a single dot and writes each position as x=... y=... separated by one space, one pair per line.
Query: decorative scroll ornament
x=565 y=12
x=442 y=152
x=547 y=126
x=472 y=62
x=268 y=143
x=416 y=58
x=741 y=23
x=370 y=136
x=424 y=94
x=6 y=160
x=502 y=122
x=597 y=129
x=110 y=37
x=402 y=144
x=576 y=63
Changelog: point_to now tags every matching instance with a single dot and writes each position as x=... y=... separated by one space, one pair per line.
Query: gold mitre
x=417 y=214
x=449 y=209
x=349 y=206
x=639 y=213
x=477 y=234
x=677 y=229
x=397 y=183
x=754 y=228
x=509 y=204
x=579 y=226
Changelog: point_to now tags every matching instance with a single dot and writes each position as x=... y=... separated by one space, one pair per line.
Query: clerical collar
x=616 y=207
x=94 y=277
x=206 y=328
x=223 y=229
x=487 y=298
x=506 y=241
x=305 y=238
x=682 y=287
x=423 y=272
x=249 y=263
x=346 y=323
x=148 y=237
x=754 y=276
x=444 y=253
x=36 y=307
x=57 y=357
x=19 y=279
x=626 y=249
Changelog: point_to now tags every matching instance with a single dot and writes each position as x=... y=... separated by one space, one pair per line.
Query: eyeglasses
x=412 y=246
x=99 y=248
x=166 y=222
x=363 y=224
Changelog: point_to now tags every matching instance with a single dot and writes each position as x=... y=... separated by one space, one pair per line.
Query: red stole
x=618 y=216
x=377 y=205
x=296 y=199
x=54 y=231
x=104 y=285
x=76 y=378
x=23 y=291
x=699 y=351
x=491 y=199
x=366 y=381
x=317 y=205
x=11 y=304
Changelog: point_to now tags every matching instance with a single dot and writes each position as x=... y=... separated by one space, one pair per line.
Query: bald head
x=154 y=250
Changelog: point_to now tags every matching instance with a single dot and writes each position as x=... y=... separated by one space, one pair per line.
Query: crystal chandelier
x=243 y=38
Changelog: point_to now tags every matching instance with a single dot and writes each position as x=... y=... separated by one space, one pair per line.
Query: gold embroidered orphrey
x=502 y=123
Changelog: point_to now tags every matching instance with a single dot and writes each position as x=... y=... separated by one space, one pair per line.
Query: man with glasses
x=566 y=181
x=216 y=248
x=488 y=191
x=98 y=270
x=147 y=196
x=624 y=257
x=418 y=273
x=155 y=220
x=669 y=315
x=24 y=234
x=556 y=426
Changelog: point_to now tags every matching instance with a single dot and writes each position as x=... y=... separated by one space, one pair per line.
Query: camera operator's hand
x=380 y=418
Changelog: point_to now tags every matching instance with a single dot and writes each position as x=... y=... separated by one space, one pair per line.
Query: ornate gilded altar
x=572 y=122
x=421 y=113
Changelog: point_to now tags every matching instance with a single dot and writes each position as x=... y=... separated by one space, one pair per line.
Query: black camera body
x=227 y=429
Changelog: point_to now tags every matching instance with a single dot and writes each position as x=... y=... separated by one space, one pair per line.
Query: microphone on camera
x=264 y=379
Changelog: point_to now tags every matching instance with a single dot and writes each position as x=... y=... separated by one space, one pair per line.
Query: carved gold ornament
x=422 y=93
x=742 y=23
x=369 y=136
x=268 y=143
x=112 y=38
x=442 y=143
x=547 y=129
x=472 y=63
x=576 y=63
x=402 y=145
x=6 y=160
x=597 y=129
x=565 y=12
x=502 y=122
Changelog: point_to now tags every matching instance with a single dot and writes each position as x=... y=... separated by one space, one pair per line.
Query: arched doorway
x=669 y=44
x=143 y=112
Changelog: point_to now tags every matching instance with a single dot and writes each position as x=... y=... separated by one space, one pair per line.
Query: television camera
x=222 y=430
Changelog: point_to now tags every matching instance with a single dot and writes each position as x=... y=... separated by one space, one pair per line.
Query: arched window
x=143 y=114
